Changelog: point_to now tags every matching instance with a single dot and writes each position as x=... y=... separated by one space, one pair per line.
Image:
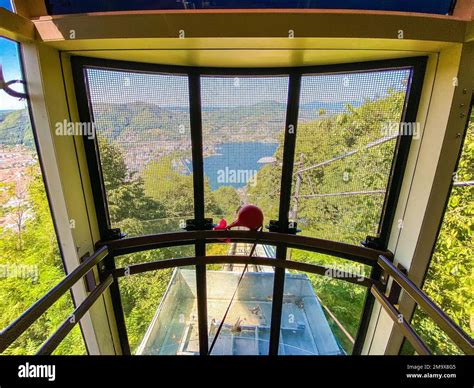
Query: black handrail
x=134 y=269
x=356 y=253
x=68 y=324
x=359 y=254
x=25 y=320
x=116 y=247
x=405 y=327
x=459 y=337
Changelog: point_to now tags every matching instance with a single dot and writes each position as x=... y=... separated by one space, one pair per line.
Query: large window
x=160 y=307
x=450 y=275
x=309 y=325
x=338 y=301
x=243 y=122
x=142 y=127
x=348 y=128
x=352 y=135
x=173 y=144
x=142 y=132
x=30 y=260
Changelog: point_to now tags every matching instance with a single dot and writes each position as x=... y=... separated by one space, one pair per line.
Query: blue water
x=236 y=157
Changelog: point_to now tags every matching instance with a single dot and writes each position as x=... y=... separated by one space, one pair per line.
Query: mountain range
x=141 y=121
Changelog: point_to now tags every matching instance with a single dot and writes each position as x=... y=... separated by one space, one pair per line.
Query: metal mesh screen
x=243 y=126
x=347 y=132
x=143 y=129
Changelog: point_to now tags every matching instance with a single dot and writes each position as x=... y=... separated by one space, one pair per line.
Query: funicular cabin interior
x=141 y=125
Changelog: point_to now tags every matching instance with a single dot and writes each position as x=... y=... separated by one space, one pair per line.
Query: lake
x=234 y=163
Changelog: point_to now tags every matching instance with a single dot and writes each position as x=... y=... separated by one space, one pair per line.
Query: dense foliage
x=31 y=265
x=450 y=278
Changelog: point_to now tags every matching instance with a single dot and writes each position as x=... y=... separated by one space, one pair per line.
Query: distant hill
x=310 y=111
x=123 y=122
x=15 y=128
x=126 y=122
x=4 y=113
x=142 y=121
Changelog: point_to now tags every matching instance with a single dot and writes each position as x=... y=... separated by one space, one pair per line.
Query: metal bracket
x=274 y=226
x=89 y=277
x=115 y=234
x=396 y=289
x=372 y=242
x=193 y=225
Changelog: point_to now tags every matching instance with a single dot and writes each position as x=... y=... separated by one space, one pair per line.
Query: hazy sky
x=11 y=67
x=172 y=91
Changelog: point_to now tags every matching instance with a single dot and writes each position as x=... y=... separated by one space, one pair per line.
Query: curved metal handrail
x=359 y=254
x=231 y=259
x=453 y=331
x=135 y=244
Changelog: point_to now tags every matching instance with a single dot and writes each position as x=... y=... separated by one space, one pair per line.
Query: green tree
x=227 y=200
x=32 y=269
x=127 y=202
x=450 y=277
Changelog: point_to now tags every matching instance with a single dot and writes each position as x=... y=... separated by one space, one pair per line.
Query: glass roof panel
x=6 y=4
x=58 y=7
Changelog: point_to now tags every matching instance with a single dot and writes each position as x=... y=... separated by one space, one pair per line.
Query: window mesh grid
x=347 y=132
x=243 y=127
x=143 y=129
